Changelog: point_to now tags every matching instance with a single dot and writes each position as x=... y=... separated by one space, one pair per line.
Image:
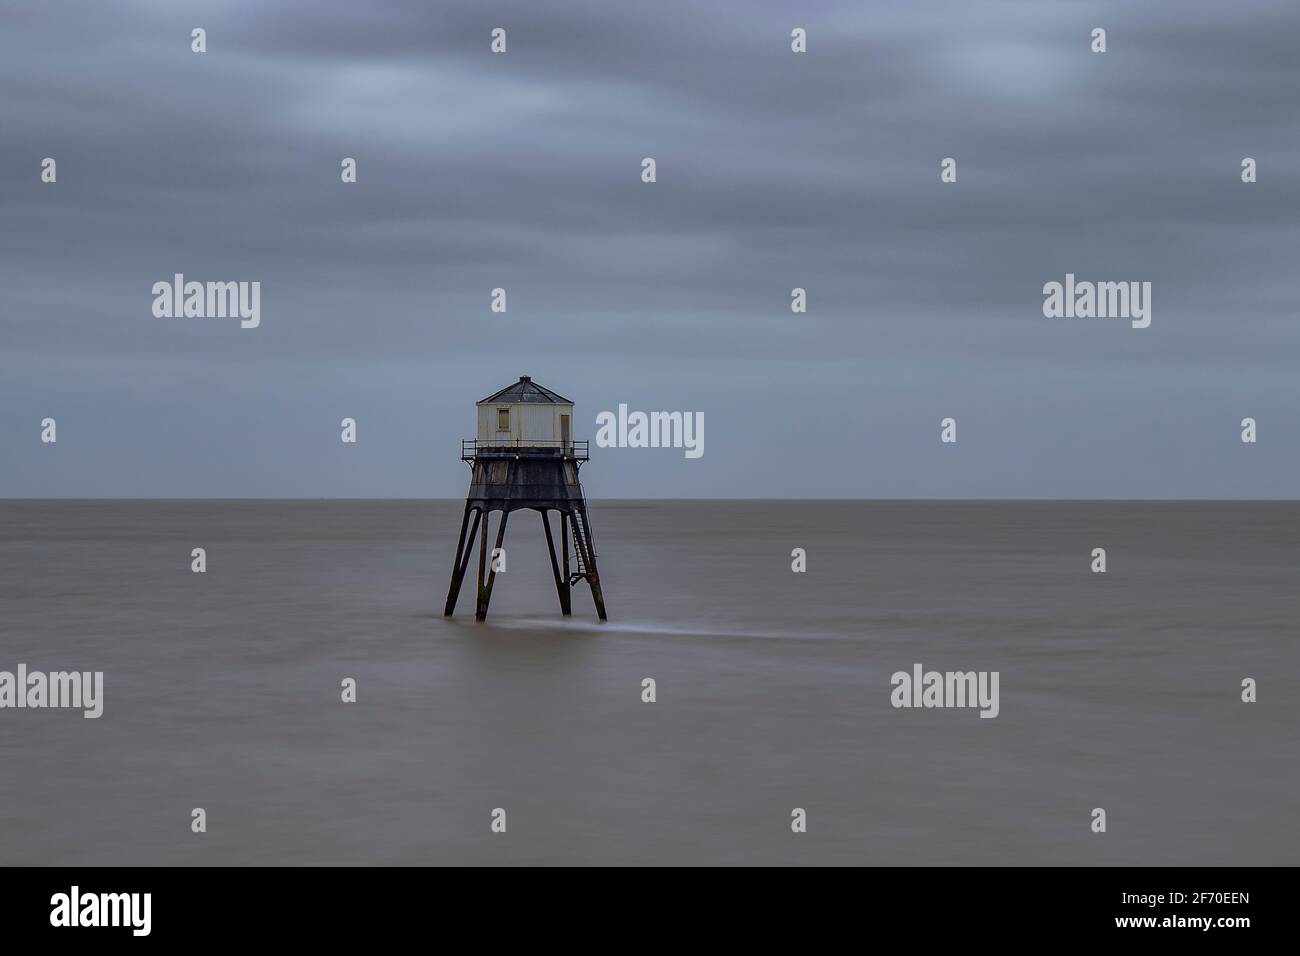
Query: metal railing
x=471 y=448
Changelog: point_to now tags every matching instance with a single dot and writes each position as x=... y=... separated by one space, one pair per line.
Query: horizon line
x=1008 y=500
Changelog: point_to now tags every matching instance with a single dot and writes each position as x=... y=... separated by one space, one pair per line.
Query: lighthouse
x=524 y=457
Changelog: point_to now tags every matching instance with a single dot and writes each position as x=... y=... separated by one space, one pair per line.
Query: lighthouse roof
x=525 y=390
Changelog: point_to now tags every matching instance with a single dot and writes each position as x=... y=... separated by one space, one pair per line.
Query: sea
x=772 y=738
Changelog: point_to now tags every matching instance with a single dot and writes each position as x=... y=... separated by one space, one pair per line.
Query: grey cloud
x=775 y=171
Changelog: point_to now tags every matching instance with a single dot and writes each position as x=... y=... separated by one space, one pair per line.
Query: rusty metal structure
x=524 y=458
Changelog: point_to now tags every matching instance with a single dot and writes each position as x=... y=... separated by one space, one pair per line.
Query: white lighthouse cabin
x=525 y=415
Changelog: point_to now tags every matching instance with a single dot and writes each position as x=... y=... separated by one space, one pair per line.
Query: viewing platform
x=472 y=448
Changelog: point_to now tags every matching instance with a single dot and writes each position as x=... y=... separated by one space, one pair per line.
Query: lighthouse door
x=564 y=432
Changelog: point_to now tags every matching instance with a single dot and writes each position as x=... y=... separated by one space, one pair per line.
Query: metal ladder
x=581 y=542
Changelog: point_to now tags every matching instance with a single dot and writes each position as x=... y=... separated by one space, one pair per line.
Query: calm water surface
x=222 y=689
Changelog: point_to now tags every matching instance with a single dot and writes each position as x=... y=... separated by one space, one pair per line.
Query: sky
x=775 y=170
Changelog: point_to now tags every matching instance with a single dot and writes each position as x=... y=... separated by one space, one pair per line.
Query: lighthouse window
x=503 y=419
